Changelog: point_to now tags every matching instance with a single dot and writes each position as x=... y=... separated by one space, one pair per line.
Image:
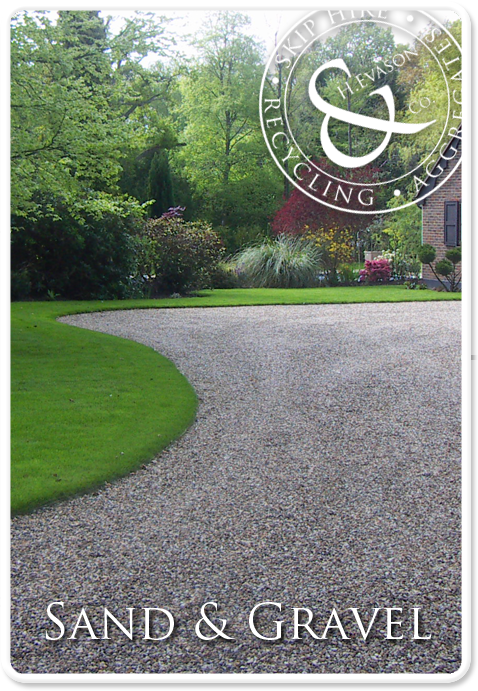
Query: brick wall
x=434 y=216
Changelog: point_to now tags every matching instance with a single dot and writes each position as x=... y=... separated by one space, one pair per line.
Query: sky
x=265 y=24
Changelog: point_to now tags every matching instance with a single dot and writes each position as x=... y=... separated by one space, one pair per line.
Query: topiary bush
x=446 y=267
x=178 y=256
x=427 y=254
x=286 y=262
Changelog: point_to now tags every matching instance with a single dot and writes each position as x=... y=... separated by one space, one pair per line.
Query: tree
x=224 y=150
x=447 y=267
x=83 y=34
x=160 y=184
x=78 y=104
x=63 y=138
x=300 y=210
x=82 y=105
x=364 y=46
x=422 y=78
x=402 y=231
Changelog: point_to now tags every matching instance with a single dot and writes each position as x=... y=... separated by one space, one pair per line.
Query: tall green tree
x=225 y=153
x=365 y=47
x=425 y=83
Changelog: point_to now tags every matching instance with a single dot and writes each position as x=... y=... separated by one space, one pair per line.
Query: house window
x=452 y=224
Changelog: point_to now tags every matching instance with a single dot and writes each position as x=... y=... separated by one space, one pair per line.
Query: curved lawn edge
x=88 y=408
x=249 y=297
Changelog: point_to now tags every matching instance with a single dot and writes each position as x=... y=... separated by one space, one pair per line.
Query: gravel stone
x=323 y=471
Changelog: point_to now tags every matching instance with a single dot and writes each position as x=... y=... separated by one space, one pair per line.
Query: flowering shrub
x=177 y=255
x=336 y=247
x=376 y=270
x=400 y=265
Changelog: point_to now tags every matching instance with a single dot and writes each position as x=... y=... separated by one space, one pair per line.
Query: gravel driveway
x=323 y=471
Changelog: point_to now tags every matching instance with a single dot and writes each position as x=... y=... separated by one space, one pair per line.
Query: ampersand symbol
x=389 y=126
x=206 y=620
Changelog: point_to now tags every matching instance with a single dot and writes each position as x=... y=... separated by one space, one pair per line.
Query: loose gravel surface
x=323 y=471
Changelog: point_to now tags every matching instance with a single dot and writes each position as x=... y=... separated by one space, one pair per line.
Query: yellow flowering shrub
x=336 y=245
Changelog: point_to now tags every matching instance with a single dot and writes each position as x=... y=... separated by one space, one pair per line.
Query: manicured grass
x=88 y=407
x=267 y=296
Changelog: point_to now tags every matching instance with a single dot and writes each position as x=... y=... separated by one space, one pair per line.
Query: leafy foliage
x=300 y=210
x=178 y=256
x=76 y=256
x=225 y=158
x=78 y=97
x=363 y=46
x=402 y=233
x=336 y=246
x=160 y=184
x=422 y=77
x=427 y=254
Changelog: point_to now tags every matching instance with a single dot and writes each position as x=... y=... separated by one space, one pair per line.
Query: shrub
x=454 y=255
x=178 y=256
x=347 y=275
x=83 y=254
x=336 y=247
x=224 y=276
x=400 y=265
x=286 y=262
x=446 y=267
x=376 y=270
x=427 y=254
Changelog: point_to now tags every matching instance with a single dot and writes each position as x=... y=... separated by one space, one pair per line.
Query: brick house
x=441 y=211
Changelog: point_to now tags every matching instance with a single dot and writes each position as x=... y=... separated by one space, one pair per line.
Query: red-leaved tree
x=301 y=214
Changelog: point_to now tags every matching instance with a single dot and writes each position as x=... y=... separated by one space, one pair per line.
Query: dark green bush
x=427 y=254
x=21 y=286
x=75 y=255
x=178 y=256
x=224 y=276
x=454 y=255
x=444 y=267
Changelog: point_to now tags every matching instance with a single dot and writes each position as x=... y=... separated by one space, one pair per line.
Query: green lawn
x=88 y=407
